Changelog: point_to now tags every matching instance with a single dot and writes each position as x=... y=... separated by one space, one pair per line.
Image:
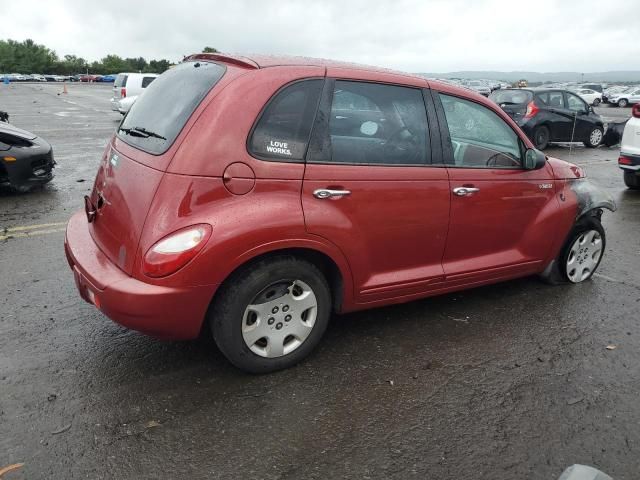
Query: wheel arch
x=331 y=263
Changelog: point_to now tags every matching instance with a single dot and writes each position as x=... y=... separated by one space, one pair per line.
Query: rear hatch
x=136 y=159
x=513 y=102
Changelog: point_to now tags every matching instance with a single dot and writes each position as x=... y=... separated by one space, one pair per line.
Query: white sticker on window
x=281 y=148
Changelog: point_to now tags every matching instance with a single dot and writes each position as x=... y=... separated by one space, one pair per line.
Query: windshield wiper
x=141 y=132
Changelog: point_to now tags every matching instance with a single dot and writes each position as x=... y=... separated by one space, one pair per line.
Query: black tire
x=541 y=136
x=241 y=289
x=632 y=180
x=623 y=102
x=596 y=102
x=589 y=143
x=586 y=223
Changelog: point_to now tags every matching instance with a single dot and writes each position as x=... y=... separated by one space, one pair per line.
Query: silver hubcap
x=584 y=256
x=282 y=319
x=596 y=136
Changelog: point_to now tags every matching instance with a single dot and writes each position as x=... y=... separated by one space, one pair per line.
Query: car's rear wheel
x=541 y=137
x=595 y=137
x=271 y=314
x=632 y=180
x=623 y=102
x=583 y=251
x=596 y=102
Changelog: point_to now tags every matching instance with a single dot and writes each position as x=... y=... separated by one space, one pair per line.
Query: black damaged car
x=551 y=115
x=26 y=160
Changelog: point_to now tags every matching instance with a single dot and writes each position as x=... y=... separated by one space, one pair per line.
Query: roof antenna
x=573 y=131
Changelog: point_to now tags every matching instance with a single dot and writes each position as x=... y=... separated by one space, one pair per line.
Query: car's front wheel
x=596 y=102
x=595 y=137
x=583 y=251
x=271 y=314
x=632 y=180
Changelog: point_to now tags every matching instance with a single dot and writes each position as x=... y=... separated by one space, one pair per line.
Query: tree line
x=30 y=57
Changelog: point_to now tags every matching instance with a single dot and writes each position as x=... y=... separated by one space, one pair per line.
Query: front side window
x=480 y=138
x=375 y=124
x=283 y=130
x=575 y=103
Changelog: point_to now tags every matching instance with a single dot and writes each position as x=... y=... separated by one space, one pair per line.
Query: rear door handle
x=322 y=193
x=463 y=191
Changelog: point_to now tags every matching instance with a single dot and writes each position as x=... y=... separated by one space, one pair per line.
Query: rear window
x=121 y=81
x=156 y=118
x=511 y=97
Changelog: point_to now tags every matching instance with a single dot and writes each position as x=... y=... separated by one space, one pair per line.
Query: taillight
x=624 y=161
x=123 y=92
x=635 y=111
x=532 y=110
x=175 y=250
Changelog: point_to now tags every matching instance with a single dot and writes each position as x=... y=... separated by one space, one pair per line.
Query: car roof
x=265 y=61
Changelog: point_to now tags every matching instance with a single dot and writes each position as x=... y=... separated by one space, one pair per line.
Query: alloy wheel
x=596 y=137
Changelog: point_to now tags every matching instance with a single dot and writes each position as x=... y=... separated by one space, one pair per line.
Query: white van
x=130 y=85
x=629 y=160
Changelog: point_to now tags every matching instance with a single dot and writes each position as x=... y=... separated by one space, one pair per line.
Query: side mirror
x=534 y=159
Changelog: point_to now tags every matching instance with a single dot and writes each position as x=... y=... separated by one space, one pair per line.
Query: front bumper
x=165 y=312
x=32 y=165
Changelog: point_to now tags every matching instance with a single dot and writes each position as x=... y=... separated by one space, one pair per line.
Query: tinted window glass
x=284 y=128
x=146 y=81
x=121 y=81
x=552 y=99
x=377 y=124
x=511 y=97
x=156 y=118
x=480 y=138
x=575 y=103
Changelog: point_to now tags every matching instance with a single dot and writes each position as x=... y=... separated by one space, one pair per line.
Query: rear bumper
x=115 y=104
x=633 y=166
x=175 y=313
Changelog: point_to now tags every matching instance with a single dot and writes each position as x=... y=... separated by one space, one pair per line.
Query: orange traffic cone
x=64 y=89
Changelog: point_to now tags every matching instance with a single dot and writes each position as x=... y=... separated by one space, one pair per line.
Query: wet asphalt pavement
x=510 y=381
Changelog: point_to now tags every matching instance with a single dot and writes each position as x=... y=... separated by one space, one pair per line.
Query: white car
x=125 y=104
x=590 y=96
x=130 y=85
x=629 y=160
x=628 y=97
x=479 y=87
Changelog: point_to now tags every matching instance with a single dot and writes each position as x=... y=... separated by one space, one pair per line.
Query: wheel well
x=323 y=262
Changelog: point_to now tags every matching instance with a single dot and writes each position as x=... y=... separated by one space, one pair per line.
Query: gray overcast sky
x=417 y=36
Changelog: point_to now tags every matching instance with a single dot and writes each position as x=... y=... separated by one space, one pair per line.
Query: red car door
x=369 y=188
x=502 y=215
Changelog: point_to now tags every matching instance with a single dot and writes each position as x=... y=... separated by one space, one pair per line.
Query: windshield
x=511 y=97
x=157 y=117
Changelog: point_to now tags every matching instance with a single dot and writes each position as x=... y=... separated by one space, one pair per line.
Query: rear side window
x=156 y=118
x=121 y=81
x=146 y=81
x=375 y=124
x=283 y=130
x=551 y=99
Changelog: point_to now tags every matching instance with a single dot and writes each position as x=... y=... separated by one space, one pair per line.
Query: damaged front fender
x=590 y=197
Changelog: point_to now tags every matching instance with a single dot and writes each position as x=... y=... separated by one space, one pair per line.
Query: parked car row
x=36 y=77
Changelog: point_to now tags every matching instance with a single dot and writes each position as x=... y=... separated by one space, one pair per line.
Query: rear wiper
x=141 y=132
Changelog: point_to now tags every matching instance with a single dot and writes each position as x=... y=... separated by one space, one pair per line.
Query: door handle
x=463 y=191
x=322 y=193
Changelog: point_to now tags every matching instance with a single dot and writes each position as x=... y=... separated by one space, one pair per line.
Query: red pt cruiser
x=253 y=197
